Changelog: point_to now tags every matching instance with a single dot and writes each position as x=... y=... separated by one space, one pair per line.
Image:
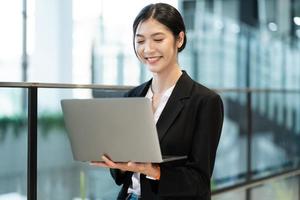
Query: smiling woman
x=188 y=116
x=158 y=38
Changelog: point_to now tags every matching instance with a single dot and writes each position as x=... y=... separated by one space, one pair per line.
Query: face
x=156 y=46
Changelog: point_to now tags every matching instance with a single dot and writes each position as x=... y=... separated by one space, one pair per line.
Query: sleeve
x=119 y=176
x=193 y=178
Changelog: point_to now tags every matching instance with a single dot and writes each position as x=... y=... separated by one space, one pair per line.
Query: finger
x=137 y=167
x=131 y=164
x=108 y=161
x=98 y=164
x=114 y=165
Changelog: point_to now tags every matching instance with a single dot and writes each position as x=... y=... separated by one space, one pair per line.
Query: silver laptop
x=122 y=128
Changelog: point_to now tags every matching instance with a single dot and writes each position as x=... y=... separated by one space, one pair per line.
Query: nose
x=148 y=48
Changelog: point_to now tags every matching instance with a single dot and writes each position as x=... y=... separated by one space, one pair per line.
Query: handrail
x=256 y=182
x=62 y=85
x=127 y=87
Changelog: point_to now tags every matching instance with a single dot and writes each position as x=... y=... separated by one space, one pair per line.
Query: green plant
x=19 y=123
x=82 y=185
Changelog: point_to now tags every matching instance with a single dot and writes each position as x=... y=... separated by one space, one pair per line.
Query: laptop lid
x=122 y=128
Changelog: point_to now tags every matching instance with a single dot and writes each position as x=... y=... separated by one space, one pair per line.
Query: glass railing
x=259 y=139
x=13 y=144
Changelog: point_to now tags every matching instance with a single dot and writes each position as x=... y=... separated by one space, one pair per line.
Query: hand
x=149 y=169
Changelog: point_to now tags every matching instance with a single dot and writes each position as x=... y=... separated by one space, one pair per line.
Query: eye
x=140 y=41
x=158 y=39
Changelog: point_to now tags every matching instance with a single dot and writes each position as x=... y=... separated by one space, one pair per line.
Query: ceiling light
x=297 y=21
x=272 y=26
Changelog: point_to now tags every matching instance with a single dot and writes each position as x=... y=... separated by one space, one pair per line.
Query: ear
x=180 y=39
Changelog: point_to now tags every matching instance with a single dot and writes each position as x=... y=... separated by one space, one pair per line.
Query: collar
x=181 y=90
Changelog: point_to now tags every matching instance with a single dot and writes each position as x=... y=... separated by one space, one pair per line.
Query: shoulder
x=203 y=97
x=207 y=102
x=202 y=92
x=189 y=87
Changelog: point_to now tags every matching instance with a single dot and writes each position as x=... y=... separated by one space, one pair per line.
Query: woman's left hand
x=149 y=169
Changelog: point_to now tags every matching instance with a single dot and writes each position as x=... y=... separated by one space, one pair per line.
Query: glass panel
x=239 y=195
x=13 y=144
x=276 y=143
x=287 y=189
x=231 y=161
x=59 y=177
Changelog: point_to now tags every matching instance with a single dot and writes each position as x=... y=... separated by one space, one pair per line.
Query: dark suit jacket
x=190 y=124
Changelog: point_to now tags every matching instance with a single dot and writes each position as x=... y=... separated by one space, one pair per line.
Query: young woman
x=188 y=115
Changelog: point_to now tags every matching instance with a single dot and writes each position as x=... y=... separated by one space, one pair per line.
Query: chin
x=154 y=69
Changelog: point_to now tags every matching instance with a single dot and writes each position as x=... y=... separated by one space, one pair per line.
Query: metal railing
x=32 y=132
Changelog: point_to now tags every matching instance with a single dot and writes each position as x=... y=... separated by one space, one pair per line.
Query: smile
x=153 y=59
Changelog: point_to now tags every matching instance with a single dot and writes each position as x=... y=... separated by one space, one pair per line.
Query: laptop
x=121 y=128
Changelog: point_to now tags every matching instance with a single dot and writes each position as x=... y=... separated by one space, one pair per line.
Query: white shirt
x=136 y=187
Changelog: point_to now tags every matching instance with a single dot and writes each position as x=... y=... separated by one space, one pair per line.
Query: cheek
x=169 y=51
x=140 y=54
x=138 y=50
x=169 y=47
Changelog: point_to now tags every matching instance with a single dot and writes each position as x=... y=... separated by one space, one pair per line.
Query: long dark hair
x=165 y=14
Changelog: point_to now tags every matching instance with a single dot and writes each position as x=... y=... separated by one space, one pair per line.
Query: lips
x=152 y=60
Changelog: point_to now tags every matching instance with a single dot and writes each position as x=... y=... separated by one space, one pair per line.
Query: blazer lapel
x=174 y=104
x=143 y=89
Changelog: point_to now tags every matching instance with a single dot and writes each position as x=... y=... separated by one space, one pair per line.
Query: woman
x=188 y=115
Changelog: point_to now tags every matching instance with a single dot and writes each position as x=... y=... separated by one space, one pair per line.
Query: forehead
x=150 y=27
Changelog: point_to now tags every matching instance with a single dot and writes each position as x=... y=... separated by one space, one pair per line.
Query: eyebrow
x=154 y=34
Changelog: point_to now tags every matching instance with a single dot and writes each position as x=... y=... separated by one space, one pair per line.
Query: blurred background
x=247 y=50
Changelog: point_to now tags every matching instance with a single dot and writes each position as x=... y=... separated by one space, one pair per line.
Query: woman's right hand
x=149 y=169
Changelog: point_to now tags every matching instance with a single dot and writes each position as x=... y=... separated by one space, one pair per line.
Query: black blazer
x=190 y=124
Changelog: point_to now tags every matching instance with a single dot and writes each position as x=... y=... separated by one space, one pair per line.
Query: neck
x=164 y=80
